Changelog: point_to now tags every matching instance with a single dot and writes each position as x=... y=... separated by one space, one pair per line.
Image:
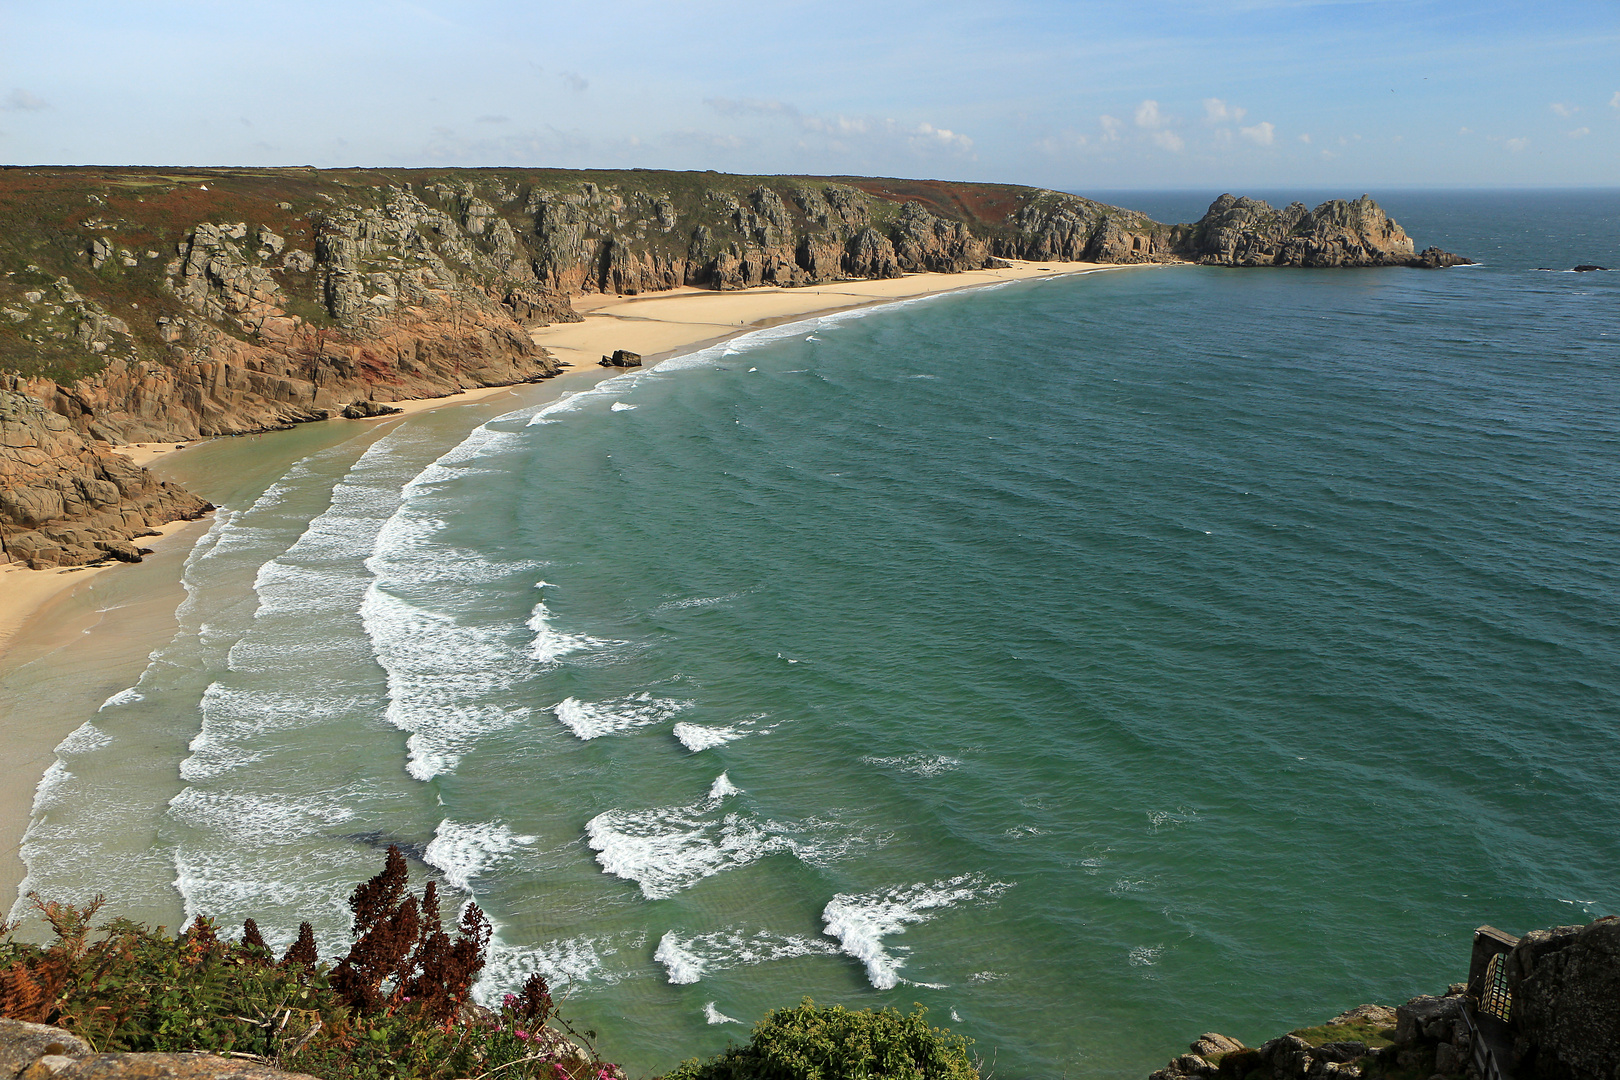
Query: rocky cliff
x=67 y=501
x=141 y=305
x=1562 y=1023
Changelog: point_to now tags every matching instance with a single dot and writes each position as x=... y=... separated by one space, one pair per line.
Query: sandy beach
x=42 y=612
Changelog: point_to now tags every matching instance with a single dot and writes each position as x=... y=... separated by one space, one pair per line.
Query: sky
x=1098 y=94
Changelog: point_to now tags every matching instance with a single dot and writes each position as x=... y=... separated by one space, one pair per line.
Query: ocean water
x=1097 y=661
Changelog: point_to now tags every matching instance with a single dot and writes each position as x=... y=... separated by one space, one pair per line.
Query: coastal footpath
x=141 y=306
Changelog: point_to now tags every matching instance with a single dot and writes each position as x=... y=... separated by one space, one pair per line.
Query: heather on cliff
x=397 y=1005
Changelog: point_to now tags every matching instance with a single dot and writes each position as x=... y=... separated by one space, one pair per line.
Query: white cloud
x=740 y=106
x=1261 y=134
x=1111 y=125
x=1579 y=133
x=576 y=82
x=1216 y=110
x=920 y=138
x=20 y=99
x=1465 y=131
x=944 y=137
x=1147 y=114
x=1564 y=110
x=1168 y=140
x=1516 y=145
x=1328 y=155
x=1614 y=102
x=1305 y=138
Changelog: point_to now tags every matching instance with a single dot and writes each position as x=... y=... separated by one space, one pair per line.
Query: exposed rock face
x=1565 y=984
x=38 y=1052
x=1067 y=228
x=65 y=501
x=364 y=410
x=621 y=358
x=1248 y=232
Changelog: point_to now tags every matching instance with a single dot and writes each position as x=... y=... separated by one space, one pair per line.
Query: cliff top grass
x=1371 y=1032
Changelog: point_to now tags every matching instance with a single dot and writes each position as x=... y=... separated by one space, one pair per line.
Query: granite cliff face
x=1248 y=232
x=67 y=501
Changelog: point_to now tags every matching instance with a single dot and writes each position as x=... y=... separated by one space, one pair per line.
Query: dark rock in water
x=1433 y=258
x=621 y=358
x=364 y=410
x=1586 y=267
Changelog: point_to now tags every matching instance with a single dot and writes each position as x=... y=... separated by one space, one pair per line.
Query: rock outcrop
x=38 y=1052
x=1248 y=232
x=67 y=501
x=1565 y=985
x=1563 y=1023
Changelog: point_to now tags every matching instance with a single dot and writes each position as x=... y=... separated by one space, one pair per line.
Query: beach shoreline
x=36 y=605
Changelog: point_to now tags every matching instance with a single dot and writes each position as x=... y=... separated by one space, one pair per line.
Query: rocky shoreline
x=146 y=307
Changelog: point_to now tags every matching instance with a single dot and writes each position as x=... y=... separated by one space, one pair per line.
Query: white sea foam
x=128 y=696
x=84 y=739
x=917 y=764
x=698 y=737
x=258 y=819
x=696 y=602
x=861 y=921
x=437 y=671
x=619 y=406
x=52 y=786
x=682 y=965
x=667 y=849
x=464 y=851
x=1159 y=819
x=715 y=1016
x=565 y=963
x=551 y=645
x=687 y=960
x=594 y=719
x=1145 y=955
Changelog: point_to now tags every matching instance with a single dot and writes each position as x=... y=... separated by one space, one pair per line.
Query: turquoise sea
x=1097 y=661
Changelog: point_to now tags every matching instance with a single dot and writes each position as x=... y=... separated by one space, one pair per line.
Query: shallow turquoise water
x=1097 y=661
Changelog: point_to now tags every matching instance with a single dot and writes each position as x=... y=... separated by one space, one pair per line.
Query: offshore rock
x=1433 y=258
x=65 y=501
x=1249 y=232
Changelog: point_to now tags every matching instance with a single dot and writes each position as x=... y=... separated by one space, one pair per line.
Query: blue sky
x=1075 y=95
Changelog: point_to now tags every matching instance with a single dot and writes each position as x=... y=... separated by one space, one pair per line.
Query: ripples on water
x=1099 y=661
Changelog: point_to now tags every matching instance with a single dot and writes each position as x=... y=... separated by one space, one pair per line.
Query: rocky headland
x=145 y=306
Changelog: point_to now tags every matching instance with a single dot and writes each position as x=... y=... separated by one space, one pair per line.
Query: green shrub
x=832 y=1043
